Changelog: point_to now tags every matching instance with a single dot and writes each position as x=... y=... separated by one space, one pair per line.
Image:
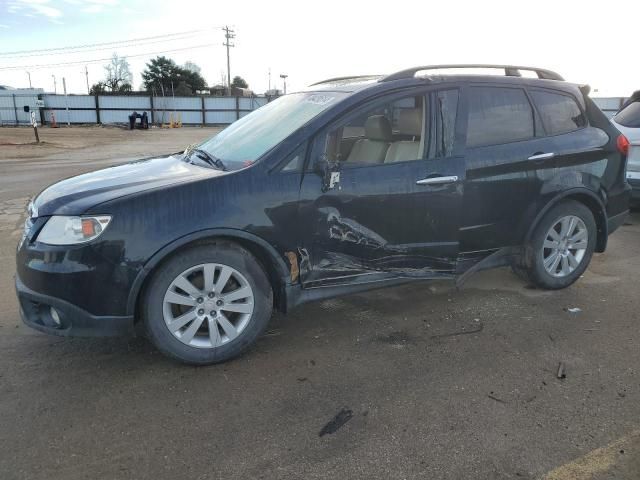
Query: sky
x=586 y=42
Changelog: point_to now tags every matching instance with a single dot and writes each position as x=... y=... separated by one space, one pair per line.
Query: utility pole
x=29 y=75
x=86 y=74
x=228 y=35
x=66 y=100
x=284 y=80
x=269 y=89
x=55 y=88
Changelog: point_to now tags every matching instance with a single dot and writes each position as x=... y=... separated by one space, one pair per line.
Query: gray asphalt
x=433 y=383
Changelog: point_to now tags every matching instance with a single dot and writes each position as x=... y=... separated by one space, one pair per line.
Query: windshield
x=246 y=140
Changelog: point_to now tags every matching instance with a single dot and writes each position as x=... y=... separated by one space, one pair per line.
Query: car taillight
x=623 y=144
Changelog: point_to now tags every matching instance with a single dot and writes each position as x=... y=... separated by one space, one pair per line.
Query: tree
x=118 y=74
x=239 y=82
x=161 y=72
x=192 y=67
x=97 y=88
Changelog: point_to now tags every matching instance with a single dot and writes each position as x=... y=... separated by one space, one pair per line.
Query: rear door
x=505 y=153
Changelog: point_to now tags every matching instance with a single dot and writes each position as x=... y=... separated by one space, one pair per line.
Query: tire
x=210 y=324
x=548 y=277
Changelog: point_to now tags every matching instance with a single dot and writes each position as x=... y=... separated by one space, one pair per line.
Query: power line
x=97 y=60
x=89 y=45
x=110 y=47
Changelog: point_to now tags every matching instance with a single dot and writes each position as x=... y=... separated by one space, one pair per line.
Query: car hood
x=75 y=195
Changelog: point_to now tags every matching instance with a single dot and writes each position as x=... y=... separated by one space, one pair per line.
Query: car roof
x=545 y=78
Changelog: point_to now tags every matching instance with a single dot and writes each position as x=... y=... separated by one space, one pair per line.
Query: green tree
x=239 y=82
x=161 y=72
x=97 y=88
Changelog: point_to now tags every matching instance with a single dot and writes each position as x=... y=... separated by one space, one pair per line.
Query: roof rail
x=350 y=77
x=509 y=71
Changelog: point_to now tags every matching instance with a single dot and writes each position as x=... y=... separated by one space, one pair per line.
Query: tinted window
x=498 y=115
x=447 y=107
x=629 y=116
x=559 y=113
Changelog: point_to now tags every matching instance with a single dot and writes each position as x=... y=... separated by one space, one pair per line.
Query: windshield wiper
x=208 y=158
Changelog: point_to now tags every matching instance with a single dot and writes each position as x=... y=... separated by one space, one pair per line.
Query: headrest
x=377 y=127
x=410 y=122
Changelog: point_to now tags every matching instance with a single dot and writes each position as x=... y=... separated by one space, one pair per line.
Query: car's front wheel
x=207 y=304
x=561 y=246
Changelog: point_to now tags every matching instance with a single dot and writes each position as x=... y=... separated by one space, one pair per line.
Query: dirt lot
x=441 y=384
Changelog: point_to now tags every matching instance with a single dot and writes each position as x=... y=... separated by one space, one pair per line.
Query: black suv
x=352 y=184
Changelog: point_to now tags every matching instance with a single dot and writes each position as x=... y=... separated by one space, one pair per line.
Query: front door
x=395 y=210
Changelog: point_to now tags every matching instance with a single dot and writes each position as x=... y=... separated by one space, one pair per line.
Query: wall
x=192 y=110
x=83 y=109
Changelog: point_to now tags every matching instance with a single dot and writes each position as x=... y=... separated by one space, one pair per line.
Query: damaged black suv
x=352 y=184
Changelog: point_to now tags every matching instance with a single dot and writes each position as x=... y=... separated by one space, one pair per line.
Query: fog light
x=55 y=316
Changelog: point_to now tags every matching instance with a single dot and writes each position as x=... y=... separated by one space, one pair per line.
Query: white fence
x=82 y=109
x=201 y=110
x=609 y=105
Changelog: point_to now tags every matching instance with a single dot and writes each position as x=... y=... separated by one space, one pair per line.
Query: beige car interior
x=377 y=138
x=381 y=144
x=410 y=124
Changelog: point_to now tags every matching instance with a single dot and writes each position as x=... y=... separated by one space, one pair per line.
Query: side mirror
x=320 y=164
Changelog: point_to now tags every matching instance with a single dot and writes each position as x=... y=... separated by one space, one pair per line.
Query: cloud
x=93 y=9
x=37 y=7
x=2 y=25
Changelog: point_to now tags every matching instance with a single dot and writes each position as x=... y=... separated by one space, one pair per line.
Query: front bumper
x=35 y=309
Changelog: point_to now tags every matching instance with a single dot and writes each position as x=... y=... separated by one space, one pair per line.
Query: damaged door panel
x=381 y=219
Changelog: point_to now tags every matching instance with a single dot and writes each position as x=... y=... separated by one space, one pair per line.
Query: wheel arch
x=274 y=265
x=588 y=199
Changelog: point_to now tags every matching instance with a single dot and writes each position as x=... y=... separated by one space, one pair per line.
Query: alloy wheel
x=564 y=246
x=208 y=305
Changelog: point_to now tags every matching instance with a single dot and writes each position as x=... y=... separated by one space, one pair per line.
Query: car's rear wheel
x=561 y=246
x=207 y=304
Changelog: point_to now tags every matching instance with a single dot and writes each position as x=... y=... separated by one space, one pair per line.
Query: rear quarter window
x=629 y=116
x=559 y=113
x=498 y=115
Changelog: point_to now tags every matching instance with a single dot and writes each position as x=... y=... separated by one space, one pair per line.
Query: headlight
x=72 y=230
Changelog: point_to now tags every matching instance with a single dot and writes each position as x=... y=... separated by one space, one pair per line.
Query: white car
x=627 y=120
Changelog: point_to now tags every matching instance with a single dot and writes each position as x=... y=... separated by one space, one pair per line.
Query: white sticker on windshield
x=319 y=99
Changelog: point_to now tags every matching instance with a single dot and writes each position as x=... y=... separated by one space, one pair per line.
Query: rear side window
x=560 y=113
x=629 y=116
x=498 y=115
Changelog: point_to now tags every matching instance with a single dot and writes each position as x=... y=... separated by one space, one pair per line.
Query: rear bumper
x=35 y=309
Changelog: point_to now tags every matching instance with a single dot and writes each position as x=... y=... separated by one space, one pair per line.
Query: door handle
x=438 y=180
x=542 y=156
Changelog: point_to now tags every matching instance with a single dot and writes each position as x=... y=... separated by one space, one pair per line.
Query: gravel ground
x=419 y=381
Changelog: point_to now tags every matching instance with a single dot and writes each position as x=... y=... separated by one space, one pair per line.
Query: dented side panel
x=379 y=220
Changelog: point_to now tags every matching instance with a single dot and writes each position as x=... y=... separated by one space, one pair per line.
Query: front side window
x=498 y=115
x=560 y=113
x=247 y=139
x=386 y=132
